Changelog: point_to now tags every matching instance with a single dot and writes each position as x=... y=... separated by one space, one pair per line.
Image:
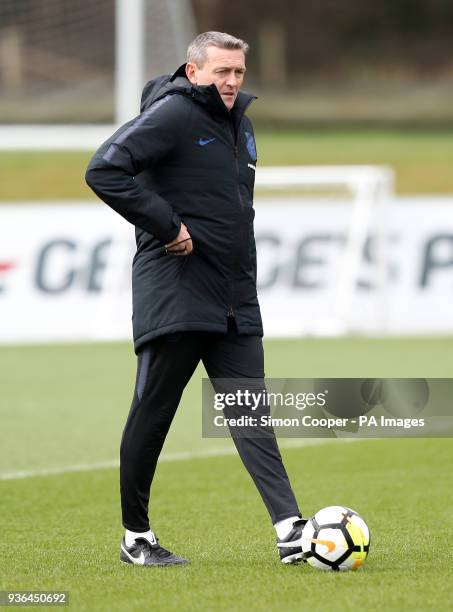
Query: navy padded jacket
x=185 y=157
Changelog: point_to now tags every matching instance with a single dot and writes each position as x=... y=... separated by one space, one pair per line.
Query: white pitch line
x=182 y=456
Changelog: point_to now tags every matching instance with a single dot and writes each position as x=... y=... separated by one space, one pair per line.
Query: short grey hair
x=196 y=53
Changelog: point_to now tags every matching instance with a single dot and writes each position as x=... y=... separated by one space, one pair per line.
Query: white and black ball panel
x=331 y=514
x=336 y=538
x=323 y=543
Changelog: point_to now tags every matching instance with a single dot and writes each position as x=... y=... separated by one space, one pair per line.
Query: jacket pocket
x=157 y=253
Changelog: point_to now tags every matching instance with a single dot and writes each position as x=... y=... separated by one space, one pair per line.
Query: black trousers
x=164 y=368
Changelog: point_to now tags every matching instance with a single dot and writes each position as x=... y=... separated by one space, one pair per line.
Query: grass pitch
x=65 y=405
x=62 y=532
x=422 y=160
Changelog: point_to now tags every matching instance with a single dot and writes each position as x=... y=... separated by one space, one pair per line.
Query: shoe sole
x=154 y=564
x=126 y=561
x=294 y=559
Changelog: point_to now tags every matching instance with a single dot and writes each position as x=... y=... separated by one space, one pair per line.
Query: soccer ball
x=335 y=538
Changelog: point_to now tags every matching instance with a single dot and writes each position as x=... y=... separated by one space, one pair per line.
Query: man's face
x=223 y=67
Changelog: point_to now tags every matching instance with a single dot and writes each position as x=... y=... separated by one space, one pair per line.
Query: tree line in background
x=332 y=38
x=290 y=39
x=57 y=57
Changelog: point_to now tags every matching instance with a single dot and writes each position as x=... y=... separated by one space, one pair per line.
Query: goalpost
x=133 y=39
x=370 y=189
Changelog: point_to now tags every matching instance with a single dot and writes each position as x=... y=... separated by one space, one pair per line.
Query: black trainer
x=290 y=548
x=143 y=552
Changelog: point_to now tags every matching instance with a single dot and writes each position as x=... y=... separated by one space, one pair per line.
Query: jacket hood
x=208 y=95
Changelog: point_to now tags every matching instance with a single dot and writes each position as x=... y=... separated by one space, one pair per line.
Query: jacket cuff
x=176 y=226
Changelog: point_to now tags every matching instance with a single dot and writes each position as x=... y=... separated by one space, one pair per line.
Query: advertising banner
x=65 y=270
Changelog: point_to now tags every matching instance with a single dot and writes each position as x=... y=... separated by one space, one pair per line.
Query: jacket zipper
x=241 y=201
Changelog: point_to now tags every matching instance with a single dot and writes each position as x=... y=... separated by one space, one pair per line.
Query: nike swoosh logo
x=202 y=142
x=140 y=560
x=330 y=545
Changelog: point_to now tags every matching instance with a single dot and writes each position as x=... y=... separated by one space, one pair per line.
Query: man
x=183 y=173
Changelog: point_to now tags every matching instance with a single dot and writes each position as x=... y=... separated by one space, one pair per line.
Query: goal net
x=85 y=62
